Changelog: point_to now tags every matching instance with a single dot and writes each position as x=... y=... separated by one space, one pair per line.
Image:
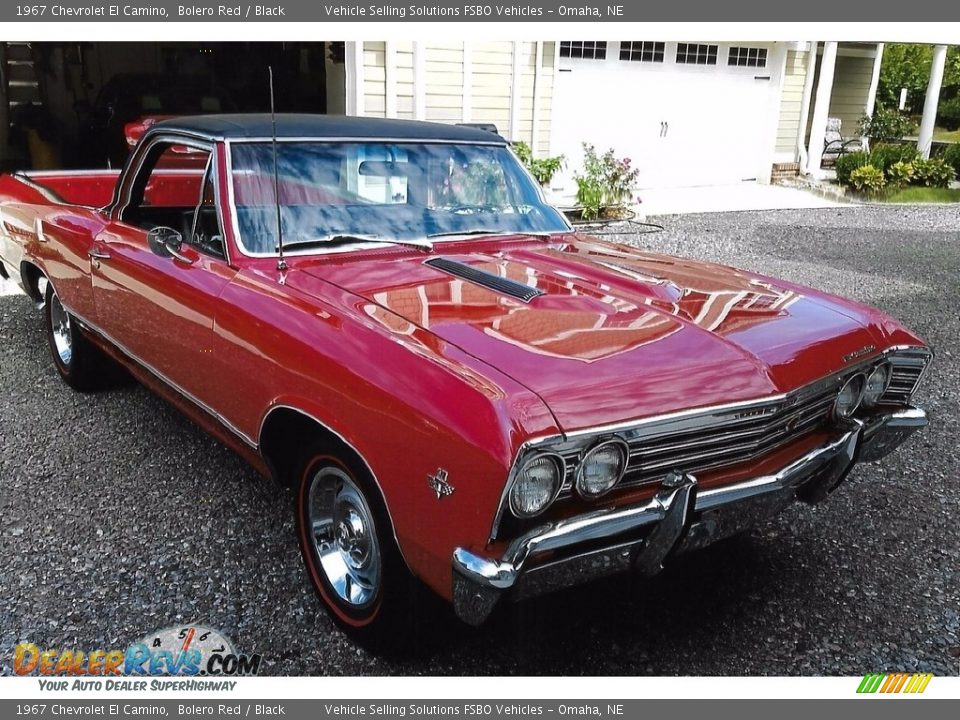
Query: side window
x=205 y=233
x=165 y=190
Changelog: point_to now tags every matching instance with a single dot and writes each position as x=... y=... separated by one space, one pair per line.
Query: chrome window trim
x=211 y=168
x=552 y=439
x=131 y=171
x=232 y=201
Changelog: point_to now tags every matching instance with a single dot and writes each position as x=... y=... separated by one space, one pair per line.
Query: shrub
x=606 y=180
x=900 y=173
x=543 y=169
x=885 y=125
x=951 y=156
x=948 y=113
x=883 y=156
x=846 y=164
x=589 y=197
x=868 y=179
x=934 y=172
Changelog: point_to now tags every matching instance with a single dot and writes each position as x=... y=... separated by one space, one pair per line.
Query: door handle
x=666 y=128
x=95 y=254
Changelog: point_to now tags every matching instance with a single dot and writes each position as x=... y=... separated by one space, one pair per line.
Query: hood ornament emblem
x=438 y=483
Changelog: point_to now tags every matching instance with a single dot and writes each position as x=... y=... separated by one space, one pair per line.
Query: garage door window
x=586 y=49
x=747 y=57
x=642 y=51
x=694 y=54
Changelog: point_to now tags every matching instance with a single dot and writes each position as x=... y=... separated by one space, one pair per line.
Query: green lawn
x=941 y=135
x=924 y=195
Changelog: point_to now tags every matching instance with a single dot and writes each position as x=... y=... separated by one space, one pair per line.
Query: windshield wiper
x=484 y=231
x=350 y=238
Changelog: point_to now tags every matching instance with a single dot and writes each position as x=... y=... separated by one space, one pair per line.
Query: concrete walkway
x=727 y=198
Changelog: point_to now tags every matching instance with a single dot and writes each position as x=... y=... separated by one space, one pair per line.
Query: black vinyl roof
x=260 y=125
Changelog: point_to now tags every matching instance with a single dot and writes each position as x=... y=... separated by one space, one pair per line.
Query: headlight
x=849 y=397
x=601 y=468
x=877 y=383
x=536 y=485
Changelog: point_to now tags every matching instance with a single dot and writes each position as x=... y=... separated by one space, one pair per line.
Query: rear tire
x=350 y=554
x=79 y=363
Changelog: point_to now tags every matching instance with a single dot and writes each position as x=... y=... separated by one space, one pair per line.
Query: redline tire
x=79 y=363
x=378 y=614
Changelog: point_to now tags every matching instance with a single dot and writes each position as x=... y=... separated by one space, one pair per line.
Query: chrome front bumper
x=677 y=519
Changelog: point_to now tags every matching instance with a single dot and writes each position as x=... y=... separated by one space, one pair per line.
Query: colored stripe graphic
x=887 y=683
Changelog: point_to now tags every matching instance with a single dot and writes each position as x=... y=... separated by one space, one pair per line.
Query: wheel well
x=284 y=435
x=3 y=271
x=30 y=276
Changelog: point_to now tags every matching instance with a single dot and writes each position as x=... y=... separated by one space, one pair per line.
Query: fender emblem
x=865 y=350
x=438 y=483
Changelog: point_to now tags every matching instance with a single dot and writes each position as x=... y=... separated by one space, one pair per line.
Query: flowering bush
x=606 y=181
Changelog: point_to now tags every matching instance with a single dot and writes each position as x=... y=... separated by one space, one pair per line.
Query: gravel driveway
x=118 y=516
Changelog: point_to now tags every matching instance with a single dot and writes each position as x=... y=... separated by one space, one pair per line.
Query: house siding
x=791 y=102
x=851 y=88
x=491 y=81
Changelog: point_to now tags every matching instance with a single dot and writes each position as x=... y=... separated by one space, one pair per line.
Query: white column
x=353 y=67
x=390 y=77
x=932 y=100
x=805 y=104
x=515 y=93
x=874 y=81
x=467 y=82
x=419 y=81
x=821 y=108
x=537 y=82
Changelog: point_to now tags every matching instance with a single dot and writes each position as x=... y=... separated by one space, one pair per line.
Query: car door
x=160 y=264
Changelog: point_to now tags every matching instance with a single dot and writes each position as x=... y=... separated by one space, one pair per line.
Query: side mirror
x=167 y=242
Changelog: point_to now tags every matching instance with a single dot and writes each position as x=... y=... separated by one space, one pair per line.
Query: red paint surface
x=419 y=370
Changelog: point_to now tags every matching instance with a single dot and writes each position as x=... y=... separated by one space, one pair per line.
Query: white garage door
x=685 y=113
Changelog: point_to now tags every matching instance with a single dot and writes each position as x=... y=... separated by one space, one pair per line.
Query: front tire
x=77 y=361
x=350 y=554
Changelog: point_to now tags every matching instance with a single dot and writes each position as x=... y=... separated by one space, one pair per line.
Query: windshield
x=332 y=191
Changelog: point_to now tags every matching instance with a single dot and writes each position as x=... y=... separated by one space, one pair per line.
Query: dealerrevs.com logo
x=190 y=650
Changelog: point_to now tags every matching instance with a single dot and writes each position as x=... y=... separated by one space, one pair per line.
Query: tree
x=907 y=66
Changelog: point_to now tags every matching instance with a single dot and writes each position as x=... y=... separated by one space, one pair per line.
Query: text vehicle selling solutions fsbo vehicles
x=461 y=391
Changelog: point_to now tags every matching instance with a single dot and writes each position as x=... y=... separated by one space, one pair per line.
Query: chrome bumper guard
x=677 y=519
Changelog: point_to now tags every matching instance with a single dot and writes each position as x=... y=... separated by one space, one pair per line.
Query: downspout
x=805 y=105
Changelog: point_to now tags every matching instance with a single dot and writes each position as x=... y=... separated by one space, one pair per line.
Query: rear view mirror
x=384 y=169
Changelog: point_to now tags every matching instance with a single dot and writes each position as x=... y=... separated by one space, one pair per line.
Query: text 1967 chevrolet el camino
x=457 y=387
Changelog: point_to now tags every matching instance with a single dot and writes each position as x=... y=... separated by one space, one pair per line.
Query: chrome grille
x=698 y=442
x=908 y=368
x=723 y=436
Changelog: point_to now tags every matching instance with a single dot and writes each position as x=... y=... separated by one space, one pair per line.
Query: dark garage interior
x=65 y=105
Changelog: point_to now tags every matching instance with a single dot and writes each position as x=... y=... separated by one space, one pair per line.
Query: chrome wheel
x=344 y=537
x=60 y=327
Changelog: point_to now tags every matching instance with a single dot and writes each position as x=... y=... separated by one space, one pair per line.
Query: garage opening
x=73 y=105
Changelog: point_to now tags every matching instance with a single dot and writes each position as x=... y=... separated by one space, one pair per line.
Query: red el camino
x=457 y=387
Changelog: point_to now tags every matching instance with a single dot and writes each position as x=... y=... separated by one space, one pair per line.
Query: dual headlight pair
x=862 y=389
x=539 y=480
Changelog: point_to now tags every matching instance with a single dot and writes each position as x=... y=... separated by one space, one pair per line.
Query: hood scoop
x=502 y=285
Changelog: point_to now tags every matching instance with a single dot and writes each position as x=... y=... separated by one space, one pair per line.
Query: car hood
x=614 y=333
